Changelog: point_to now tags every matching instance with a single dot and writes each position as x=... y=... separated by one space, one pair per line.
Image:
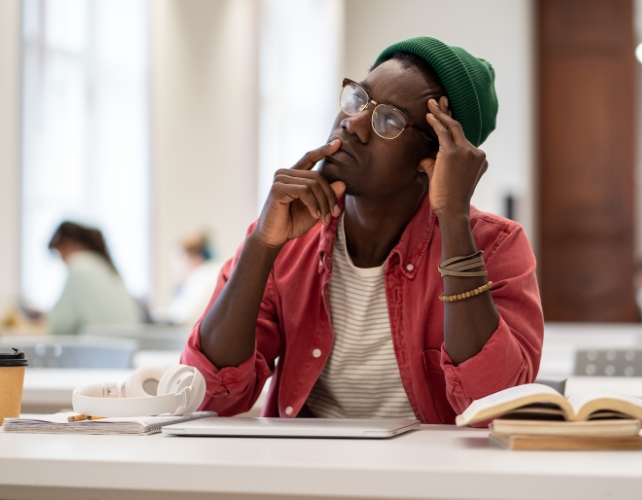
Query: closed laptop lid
x=293 y=427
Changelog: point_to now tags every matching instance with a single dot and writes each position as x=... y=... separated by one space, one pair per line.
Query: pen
x=76 y=418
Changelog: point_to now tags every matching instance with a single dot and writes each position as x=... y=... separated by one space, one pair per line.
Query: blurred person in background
x=196 y=273
x=94 y=292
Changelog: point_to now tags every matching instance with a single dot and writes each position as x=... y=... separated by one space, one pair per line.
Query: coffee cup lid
x=15 y=358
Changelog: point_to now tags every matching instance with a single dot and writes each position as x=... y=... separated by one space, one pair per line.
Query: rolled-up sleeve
x=512 y=354
x=233 y=390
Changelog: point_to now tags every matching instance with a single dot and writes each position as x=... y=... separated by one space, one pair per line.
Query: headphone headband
x=126 y=407
x=106 y=399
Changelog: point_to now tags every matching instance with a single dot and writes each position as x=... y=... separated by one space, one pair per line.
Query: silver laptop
x=293 y=427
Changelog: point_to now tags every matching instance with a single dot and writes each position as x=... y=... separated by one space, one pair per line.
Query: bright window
x=299 y=81
x=85 y=135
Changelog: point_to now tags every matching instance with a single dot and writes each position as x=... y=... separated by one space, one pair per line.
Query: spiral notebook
x=58 y=424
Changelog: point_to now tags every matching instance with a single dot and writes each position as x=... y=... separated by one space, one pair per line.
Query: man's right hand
x=299 y=198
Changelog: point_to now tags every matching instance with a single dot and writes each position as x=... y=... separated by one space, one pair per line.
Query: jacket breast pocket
x=437 y=383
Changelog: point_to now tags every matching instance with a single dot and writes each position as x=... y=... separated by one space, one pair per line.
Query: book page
x=61 y=418
x=57 y=423
x=588 y=402
x=505 y=401
x=597 y=428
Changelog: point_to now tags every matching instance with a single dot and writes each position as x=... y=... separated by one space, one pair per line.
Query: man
x=339 y=281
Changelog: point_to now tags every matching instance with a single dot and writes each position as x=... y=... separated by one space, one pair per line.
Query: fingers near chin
x=311 y=158
x=330 y=147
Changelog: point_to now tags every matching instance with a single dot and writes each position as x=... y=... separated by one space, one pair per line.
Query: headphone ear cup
x=143 y=383
x=122 y=387
x=180 y=377
x=197 y=393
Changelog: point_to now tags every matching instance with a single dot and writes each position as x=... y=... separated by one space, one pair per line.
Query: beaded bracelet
x=466 y=295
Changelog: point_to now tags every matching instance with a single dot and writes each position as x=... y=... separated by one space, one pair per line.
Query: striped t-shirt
x=361 y=377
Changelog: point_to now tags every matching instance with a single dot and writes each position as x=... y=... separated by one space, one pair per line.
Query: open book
x=540 y=402
x=58 y=424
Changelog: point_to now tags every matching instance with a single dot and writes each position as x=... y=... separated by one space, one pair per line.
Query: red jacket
x=294 y=323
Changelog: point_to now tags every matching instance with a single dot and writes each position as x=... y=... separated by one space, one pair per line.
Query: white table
x=437 y=462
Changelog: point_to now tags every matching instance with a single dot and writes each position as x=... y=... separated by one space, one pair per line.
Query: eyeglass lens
x=386 y=121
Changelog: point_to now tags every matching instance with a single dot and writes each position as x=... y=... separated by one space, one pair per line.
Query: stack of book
x=536 y=417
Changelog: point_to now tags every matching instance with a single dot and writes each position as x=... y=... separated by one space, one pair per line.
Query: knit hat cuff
x=457 y=80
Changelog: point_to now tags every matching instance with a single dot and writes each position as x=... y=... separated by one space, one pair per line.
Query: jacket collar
x=410 y=250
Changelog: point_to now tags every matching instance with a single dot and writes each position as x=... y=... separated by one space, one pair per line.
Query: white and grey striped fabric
x=361 y=378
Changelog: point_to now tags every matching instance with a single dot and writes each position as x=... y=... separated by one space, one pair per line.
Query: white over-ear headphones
x=150 y=390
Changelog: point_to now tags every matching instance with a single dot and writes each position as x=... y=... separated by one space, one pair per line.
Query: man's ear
x=427 y=166
x=422 y=171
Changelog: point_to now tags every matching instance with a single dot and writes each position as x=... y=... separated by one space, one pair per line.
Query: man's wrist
x=259 y=248
x=457 y=237
x=453 y=218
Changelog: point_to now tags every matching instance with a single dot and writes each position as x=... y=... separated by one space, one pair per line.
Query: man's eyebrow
x=401 y=108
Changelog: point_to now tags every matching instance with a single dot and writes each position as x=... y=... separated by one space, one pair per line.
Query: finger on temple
x=443 y=133
x=311 y=158
x=443 y=104
x=450 y=123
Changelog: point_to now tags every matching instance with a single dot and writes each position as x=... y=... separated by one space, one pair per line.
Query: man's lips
x=345 y=148
x=342 y=156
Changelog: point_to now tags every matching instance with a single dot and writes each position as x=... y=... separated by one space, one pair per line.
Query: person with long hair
x=94 y=292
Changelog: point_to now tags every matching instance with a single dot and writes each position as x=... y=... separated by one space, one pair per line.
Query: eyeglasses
x=387 y=121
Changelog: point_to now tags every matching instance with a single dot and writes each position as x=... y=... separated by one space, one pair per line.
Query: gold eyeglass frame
x=409 y=124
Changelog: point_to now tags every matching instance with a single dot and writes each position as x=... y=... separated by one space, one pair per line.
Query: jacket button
x=289 y=410
x=316 y=353
x=410 y=267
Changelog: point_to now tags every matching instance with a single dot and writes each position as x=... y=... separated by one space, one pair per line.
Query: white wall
x=298 y=39
x=10 y=16
x=500 y=31
x=204 y=132
x=204 y=102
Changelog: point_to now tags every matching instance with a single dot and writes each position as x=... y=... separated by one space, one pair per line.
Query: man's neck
x=373 y=228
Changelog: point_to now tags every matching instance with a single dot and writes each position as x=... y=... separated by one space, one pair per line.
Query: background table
x=436 y=462
x=49 y=390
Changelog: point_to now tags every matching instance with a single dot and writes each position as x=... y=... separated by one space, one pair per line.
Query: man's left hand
x=453 y=175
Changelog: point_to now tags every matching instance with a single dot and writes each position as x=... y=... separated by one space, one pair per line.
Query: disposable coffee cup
x=12 y=377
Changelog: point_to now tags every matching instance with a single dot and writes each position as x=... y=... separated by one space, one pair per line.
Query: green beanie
x=468 y=81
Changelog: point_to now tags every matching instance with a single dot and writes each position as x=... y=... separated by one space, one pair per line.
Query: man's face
x=370 y=165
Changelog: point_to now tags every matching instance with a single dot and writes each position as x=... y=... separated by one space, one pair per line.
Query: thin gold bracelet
x=466 y=295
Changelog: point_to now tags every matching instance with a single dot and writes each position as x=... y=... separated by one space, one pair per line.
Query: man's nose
x=359 y=125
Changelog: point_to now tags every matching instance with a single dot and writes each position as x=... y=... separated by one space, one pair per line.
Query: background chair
x=609 y=362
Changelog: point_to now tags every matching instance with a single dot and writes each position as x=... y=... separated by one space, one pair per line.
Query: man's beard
x=351 y=189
